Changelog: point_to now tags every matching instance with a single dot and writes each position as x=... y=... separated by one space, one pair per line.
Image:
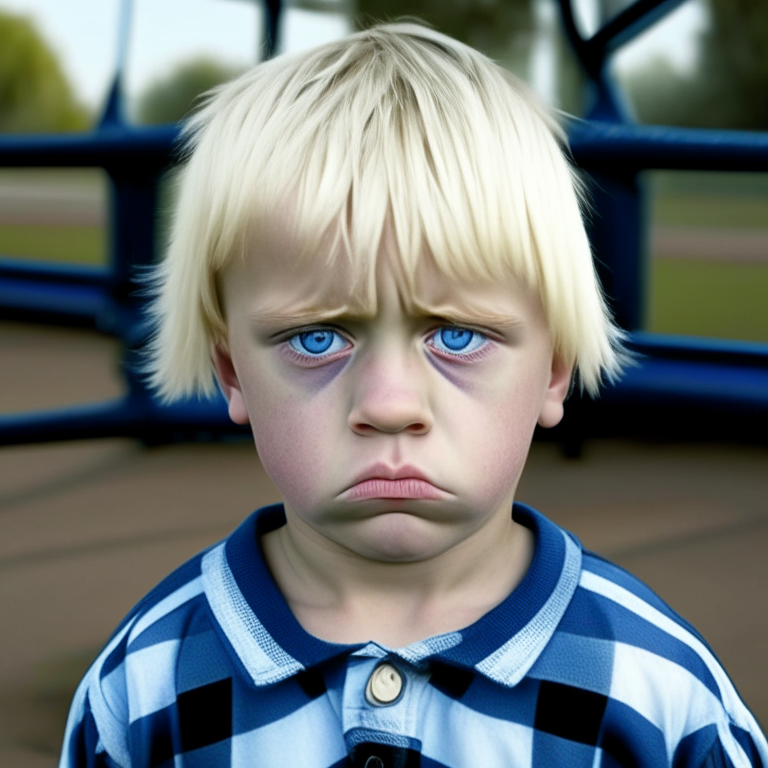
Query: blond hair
x=395 y=125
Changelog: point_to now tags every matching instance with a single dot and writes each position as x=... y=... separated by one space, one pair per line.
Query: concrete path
x=87 y=528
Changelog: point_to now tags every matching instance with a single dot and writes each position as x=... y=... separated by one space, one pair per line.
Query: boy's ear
x=559 y=386
x=230 y=385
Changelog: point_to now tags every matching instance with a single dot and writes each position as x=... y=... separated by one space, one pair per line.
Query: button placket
x=380 y=730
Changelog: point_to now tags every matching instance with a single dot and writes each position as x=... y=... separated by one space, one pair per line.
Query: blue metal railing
x=681 y=387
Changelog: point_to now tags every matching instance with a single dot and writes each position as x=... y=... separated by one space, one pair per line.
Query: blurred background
x=87 y=527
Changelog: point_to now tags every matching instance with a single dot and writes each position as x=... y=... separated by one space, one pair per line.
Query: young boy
x=379 y=249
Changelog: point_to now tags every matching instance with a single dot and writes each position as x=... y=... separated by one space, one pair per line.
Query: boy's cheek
x=293 y=443
x=498 y=451
x=496 y=432
x=296 y=422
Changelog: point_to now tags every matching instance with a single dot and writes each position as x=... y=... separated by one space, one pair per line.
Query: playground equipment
x=681 y=388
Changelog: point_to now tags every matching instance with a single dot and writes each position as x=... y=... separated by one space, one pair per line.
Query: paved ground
x=87 y=528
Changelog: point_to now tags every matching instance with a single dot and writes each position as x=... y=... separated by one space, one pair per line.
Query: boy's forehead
x=287 y=271
x=273 y=286
x=498 y=301
x=272 y=281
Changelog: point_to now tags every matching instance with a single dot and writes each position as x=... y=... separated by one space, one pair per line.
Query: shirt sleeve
x=723 y=744
x=717 y=757
x=96 y=735
x=83 y=747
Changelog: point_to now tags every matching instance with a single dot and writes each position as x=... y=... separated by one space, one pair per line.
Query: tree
x=171 y=98
x=734 y=63
x=661 y=95
x=729 y=87
x=35 y=95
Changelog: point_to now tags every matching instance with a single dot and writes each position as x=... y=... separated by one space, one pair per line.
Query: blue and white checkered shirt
x=581 y=666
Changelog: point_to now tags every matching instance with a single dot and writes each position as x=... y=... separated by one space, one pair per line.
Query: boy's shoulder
x=176 y=607
x=174 y=592
x=622 y=652
x=129 y=677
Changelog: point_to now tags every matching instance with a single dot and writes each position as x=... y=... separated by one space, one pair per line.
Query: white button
x=384 y=685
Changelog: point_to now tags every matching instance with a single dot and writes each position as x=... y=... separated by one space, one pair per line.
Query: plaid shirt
x=581 y=666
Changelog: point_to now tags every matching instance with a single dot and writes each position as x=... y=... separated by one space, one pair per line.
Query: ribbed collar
x=503 y=644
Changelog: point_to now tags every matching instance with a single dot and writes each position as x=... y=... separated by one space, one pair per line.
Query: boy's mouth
x=384 y=482
x=407 y=488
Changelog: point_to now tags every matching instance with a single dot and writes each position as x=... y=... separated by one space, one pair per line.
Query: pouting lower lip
x=404 y=488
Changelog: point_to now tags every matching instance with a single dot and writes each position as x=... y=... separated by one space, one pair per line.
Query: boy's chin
x=399 y=537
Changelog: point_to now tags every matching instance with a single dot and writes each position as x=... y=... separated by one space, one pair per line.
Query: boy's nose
x=390 y=399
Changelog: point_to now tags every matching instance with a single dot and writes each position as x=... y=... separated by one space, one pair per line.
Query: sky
x=85 y=33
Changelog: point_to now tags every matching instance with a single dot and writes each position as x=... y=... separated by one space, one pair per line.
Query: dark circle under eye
x=316 y=342
x=456 y=339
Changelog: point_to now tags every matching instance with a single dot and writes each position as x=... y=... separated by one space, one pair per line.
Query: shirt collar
x=503 y=644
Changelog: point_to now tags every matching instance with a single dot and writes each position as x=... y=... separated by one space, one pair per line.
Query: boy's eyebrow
x=296 y=316
x=290 y=316
x=472 y=315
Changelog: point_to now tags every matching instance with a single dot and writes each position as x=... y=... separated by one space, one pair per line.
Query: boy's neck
x=341 y=597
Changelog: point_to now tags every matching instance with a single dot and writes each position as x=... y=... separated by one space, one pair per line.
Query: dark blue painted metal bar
x=617 y=31
x=694 y=372
x=272 y=27
x=53 y=272
x=136 y=415
x=595 y=144
x=607 y=99
x=692 y=383
x=626 y=25
x=699 y=349
x=52 y=291
x=621 y=148
x=109 y=147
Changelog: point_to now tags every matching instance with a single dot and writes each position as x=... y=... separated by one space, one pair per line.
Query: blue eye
x=320 y=341
x=456 y=340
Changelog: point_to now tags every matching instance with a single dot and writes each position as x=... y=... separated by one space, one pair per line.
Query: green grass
x=704 y=199
x=78 y=245
x=706 y=298
x=691 y=210
x=75 y=178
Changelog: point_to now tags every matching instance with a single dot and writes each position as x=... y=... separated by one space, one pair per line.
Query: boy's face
x=396 y=435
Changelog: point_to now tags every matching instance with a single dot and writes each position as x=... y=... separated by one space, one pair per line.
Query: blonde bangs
x=396 y=126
